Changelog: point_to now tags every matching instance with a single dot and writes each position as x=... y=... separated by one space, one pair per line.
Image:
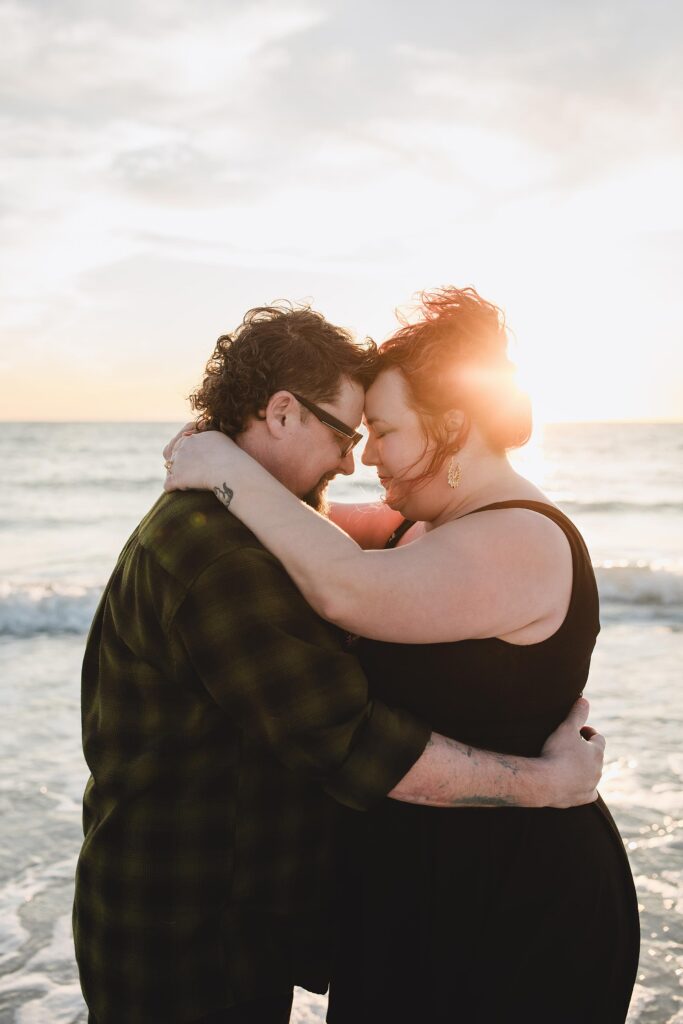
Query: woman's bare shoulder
x=508 y=527
x=504 y=572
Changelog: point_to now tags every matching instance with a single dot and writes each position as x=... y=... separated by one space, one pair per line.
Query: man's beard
x=317 y=497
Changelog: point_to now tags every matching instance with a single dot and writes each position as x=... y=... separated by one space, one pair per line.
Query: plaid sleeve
x=279 y=672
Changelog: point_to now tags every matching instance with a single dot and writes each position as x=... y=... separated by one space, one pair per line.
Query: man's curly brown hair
x=282 y=347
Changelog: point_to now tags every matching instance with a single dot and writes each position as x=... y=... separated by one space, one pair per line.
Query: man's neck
x=256 y=441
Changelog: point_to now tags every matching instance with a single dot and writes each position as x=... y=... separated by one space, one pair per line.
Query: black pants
x=274 y=1010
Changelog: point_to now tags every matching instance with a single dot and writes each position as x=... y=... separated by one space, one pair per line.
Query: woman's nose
x=347 y=464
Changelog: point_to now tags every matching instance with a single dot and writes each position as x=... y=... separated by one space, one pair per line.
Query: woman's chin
x=392 y=500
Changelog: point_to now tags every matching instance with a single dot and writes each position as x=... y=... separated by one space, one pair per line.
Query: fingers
x=185 y=431
x=578 y=715
x=595 y=738
x=168 y=450
x=174 y=446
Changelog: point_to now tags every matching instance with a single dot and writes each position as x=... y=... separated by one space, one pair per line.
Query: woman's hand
x=195 y=461
x=189 y=428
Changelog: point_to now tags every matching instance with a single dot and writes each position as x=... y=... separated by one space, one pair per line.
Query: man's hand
x=570 y=764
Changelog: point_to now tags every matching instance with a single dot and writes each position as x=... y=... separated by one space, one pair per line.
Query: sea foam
x=640 y=584
x=27 y=609
x=30 y=608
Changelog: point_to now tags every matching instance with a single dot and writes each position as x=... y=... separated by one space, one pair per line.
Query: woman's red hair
x=455 y=357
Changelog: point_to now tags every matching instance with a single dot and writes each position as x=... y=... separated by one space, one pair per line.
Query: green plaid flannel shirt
x=220 y=716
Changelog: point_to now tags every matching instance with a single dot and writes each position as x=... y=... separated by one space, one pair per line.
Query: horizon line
x=545 y=423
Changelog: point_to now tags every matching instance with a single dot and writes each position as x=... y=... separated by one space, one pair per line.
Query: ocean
x=72 y=492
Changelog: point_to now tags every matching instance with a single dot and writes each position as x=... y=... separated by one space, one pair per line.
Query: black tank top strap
x=399 y=532
x=543 y=508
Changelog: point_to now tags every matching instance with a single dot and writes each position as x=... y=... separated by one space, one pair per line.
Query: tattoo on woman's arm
x=224 y=494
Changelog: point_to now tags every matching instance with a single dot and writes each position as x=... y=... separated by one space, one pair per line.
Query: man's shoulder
x=206 y=550
x=186 y=531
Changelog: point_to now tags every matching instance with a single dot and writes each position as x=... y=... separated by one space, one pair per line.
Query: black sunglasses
x=352 y=436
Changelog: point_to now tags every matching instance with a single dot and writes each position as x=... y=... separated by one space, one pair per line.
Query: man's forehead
x=349 y=403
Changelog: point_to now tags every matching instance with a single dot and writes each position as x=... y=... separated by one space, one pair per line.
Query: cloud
x=112 y=114
x=386 y=141
x=160 y=59
x=246 y=99
x=583 y=87
x=105 y=93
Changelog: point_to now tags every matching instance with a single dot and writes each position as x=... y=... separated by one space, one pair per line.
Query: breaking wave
x=30 y=608
x=27 y=609
x=640 y=585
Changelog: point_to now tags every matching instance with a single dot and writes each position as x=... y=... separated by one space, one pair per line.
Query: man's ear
x=281 y=413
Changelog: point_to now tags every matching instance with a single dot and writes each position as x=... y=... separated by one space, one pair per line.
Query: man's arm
x=280 y=674
x=277 y=671
x=451 y=774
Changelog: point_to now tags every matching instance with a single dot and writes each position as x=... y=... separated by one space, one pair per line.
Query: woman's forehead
x=386 y=396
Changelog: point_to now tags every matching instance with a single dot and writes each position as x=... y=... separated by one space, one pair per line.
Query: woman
x=479 y=614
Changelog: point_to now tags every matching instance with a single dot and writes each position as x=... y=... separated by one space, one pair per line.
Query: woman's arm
x=468 y=579
x=370 y=524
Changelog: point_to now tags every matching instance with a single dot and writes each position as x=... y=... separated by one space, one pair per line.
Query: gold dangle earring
x=454 y=473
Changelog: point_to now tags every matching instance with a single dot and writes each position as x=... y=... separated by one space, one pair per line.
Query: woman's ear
x=454 y=421
x=281 y=413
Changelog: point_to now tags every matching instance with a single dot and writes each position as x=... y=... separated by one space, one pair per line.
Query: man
x=224 y=723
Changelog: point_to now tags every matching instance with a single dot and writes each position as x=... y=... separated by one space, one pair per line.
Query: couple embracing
x=343 y=744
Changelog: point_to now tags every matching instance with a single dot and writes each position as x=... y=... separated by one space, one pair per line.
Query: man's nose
x=348 y=466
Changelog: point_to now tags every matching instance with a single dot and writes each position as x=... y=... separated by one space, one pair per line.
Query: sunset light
x=163 y=175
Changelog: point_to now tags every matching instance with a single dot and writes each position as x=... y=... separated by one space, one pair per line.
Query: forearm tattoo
x=479 y=800
x=484 y=801
x=224 y=494
x=463 y=801
x=505 y=762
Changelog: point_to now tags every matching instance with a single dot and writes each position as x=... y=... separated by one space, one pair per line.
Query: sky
x=166 y=165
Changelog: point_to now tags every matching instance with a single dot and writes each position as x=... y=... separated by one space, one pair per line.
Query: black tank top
x=491 y=693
